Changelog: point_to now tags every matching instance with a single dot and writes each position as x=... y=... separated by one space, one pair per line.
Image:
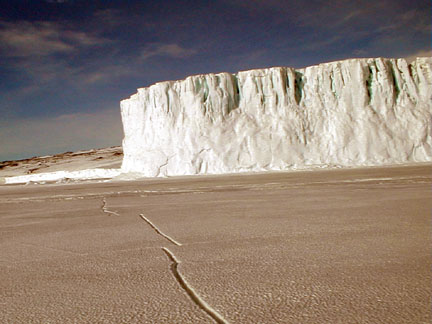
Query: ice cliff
x=349 y=113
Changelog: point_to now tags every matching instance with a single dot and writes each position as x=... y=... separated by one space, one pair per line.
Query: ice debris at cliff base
x=351 y=113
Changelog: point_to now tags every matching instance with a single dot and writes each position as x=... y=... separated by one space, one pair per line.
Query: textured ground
x=340 y=246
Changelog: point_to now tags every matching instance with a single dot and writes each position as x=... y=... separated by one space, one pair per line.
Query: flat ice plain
x=333 y=246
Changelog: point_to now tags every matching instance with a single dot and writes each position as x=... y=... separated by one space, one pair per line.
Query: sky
x=66 y=64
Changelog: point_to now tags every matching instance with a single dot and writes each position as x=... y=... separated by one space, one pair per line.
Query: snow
x=357 y=112
x=105 y=158
x=64 y=175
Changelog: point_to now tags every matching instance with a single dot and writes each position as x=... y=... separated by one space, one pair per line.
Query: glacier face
x=348 y=113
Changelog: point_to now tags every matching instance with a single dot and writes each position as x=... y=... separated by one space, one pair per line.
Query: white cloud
x=32 y=45
x=359 y=52
x=30 y=137
x=170 y=50
x=24 y=39
x=104 y=73
x=313 y=46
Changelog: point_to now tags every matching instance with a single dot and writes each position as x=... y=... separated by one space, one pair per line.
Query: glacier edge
x=349 y=113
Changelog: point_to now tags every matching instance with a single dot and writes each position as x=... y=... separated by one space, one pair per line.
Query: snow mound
x=357 y=112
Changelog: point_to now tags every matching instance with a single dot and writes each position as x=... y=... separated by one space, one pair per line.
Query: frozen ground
x=334 y=246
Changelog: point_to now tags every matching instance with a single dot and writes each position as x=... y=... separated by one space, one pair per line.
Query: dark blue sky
x=66 y=64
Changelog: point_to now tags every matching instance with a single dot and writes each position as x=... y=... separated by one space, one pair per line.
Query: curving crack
x=180 y=279
x=105 y=208
x=190 y=291
x=157 y=230
x=162 y=165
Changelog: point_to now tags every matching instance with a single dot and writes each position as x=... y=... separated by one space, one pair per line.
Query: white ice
x=357 y=112
x=62 y=175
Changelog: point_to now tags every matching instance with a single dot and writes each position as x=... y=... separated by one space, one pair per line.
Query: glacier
x=355 y=112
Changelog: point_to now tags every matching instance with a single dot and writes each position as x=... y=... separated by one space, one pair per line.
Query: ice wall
x=349 y=113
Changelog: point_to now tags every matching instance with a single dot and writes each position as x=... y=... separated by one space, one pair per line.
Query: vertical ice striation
x=350 y=113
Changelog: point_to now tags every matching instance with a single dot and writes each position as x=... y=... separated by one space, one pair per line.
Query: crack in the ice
x=157 y=230
x=190 y=291
x=180 y=279
x=105 y=208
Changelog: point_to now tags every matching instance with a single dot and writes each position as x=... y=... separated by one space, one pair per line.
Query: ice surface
x=299 y=247
x=349 y=113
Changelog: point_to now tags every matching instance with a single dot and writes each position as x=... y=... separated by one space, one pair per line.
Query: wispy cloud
x=24 y=39
x=323 y=43
x=104 y=73
x=40 y=52
x=112 y=18
x=412 y=18
x=256 y=6
x=342 y=14
x=170 y=50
